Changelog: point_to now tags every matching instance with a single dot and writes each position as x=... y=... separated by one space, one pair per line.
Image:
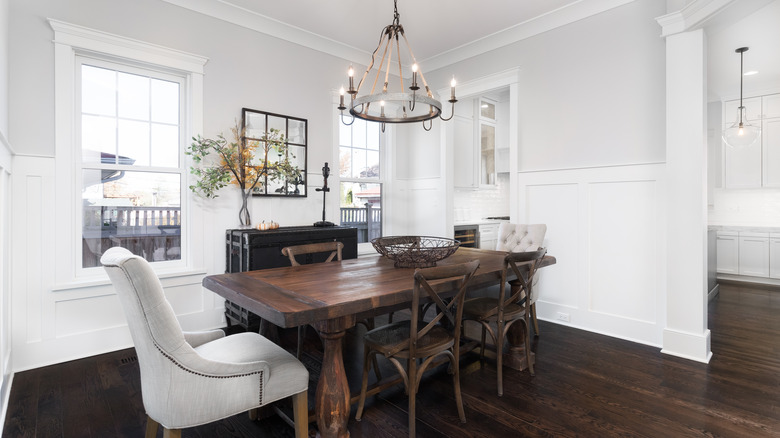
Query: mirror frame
x=297 y=142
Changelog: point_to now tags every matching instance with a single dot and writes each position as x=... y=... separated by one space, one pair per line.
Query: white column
x=686 y=334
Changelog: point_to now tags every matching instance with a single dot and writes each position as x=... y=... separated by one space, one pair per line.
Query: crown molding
x=692 y=16
x=527 y=29
x=226 y=11
x=709 y=13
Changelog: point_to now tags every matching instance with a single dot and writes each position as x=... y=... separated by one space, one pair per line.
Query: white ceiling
x=760 y=31
x=440 y=32
x=432 y=26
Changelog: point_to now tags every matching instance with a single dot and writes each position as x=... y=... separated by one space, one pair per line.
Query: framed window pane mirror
x=257 y=125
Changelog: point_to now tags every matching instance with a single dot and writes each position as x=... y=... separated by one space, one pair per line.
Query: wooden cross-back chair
x=308 y=250
x=505 y=310
x=415 y=339
x=318 y=248
x=314 y=248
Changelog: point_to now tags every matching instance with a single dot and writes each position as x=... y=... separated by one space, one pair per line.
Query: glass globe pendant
x=741 y=133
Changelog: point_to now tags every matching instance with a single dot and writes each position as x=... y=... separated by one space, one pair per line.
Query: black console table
x=250 y=249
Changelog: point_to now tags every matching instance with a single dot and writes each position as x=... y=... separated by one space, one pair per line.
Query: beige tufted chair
x=521 y=238
x=194 y=378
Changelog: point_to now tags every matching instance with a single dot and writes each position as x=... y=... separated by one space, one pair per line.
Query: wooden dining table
x=331 y=297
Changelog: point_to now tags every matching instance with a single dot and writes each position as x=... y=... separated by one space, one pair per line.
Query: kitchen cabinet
x=770 y=147
x=757 y=165
x=466 y=171
x=774 y=255
x=487 y=142
x=743 y=167
x=752 y=110
x=754 y=254
x=488 y=236
x=728 y=252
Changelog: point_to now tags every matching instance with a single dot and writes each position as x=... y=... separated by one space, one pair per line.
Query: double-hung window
x=130 y=132
x=123 y=111
x=360 y=172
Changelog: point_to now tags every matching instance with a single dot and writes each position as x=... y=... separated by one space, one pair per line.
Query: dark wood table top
x=298 y=295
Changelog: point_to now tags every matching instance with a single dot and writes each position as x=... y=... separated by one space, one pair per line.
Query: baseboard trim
x=750 y=280
x=5 y=395
x=692 y=346
x=713 y=293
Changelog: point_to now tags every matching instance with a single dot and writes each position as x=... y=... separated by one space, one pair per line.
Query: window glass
x=487 y=110
x=360 y=191
x=361 y=208
x=133 y=96
x=98 y=95
x=130 y=141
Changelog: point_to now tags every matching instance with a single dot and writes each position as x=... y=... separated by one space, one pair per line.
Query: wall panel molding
x=606 y=227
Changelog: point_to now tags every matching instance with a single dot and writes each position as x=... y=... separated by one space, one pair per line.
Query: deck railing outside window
x=367 y=220
x=154 y=233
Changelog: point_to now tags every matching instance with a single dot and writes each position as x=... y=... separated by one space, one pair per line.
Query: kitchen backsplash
x=756 y=207
x=478 y=204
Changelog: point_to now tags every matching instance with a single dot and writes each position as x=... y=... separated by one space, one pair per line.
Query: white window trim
x=385 y=166
x=69 y=41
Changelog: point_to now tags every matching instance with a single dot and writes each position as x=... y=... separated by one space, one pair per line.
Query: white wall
x=6 y=158
x=590 y=153
x=591 y=92
x=58 y=322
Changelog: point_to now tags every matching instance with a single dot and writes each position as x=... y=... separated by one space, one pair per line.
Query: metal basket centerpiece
x=415 y=251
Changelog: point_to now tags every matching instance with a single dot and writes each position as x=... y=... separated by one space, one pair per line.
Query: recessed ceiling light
x=751 y=73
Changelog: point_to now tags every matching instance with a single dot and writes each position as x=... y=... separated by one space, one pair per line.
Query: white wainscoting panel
x=6 y=375
x=622 y=253
x=606 y=228
x=557 y=205
x=103 y=312
x=52 y=322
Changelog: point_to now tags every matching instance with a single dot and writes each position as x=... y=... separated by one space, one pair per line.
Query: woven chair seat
x=475 y=308
x=385 y=338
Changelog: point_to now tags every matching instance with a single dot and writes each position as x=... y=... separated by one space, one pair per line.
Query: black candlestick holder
x=325 y=189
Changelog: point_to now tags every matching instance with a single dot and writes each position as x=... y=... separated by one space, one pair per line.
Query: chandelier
x=741 y=133
x=398 y=105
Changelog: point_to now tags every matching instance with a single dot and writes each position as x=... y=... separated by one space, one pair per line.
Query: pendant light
x=383 y=105
x=741 y=134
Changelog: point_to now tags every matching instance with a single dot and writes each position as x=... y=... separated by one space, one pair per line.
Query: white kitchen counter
x=744 y=228
x=478 y=222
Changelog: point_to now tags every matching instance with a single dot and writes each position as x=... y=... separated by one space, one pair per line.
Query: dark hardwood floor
x=585 y=385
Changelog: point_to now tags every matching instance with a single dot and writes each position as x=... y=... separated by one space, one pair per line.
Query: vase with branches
x=243 y=162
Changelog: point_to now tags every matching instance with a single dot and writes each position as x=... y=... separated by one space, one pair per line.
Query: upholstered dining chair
x=194 y=378
x=414 y=339
x=518 y=238
x=505 y=310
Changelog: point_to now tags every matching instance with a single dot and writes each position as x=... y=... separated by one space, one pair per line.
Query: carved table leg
x=332 y=397
x=515 y=356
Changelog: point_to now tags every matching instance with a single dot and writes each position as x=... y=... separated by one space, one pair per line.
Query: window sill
x=102 y=280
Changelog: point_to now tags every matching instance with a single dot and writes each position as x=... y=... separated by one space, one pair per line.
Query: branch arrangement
x=242 y=162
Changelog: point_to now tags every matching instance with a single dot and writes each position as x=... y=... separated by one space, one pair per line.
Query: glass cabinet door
x=487 y=142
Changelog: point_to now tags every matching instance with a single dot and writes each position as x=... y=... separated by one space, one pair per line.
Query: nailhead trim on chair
x=210 y=376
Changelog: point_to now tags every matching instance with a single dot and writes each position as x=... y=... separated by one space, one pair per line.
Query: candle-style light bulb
x=341 y=98
x=414 y=67
x=382 y=105
x=452 y=88
x=351 y=74
x=414 y=86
